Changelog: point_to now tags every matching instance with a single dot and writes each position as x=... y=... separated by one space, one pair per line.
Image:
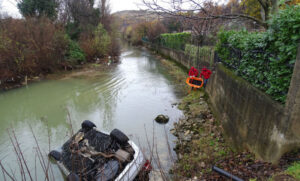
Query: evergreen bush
x=74 y=53
x=175 y=40
x=265 y=59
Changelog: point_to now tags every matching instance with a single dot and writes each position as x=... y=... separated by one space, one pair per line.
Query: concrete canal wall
x=250 y=118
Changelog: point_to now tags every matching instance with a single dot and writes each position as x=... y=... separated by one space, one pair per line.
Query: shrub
x=86 y=44
x=74 y=54
x=265 y=59
x=154 y=30
x=136 y=32
x=38 y=8
x=115 y=45
x=175 y=40
x=95 y=45
x=30 y=47
x=101 y=41
x=73 y=30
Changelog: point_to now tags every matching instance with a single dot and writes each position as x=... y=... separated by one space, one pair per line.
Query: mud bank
x=79 y=71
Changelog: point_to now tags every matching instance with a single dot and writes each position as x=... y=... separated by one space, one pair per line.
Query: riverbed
x=127 y=96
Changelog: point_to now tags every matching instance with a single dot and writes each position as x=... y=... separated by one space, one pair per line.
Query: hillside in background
x=131 y=17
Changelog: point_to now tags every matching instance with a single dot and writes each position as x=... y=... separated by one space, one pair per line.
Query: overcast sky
x=119 y=5
x=10 y=6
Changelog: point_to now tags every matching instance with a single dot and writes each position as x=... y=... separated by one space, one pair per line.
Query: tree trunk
x=274 y=4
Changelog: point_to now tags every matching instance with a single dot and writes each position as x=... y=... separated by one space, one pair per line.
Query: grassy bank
x=201 y=142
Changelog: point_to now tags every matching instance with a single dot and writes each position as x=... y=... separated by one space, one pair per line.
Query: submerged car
x=93 y=155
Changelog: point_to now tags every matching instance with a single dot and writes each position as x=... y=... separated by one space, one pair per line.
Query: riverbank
x=88 y=69
x=201 y=143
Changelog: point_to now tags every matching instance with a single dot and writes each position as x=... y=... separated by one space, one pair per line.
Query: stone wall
x=250 y=118
x=292 y=109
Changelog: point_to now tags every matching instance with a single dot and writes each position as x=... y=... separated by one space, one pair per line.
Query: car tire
x=119 y=136
x=73 y=177
x=87 y=125
x=55 y=154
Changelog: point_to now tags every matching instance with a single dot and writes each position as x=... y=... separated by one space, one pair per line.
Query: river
x=127 y=96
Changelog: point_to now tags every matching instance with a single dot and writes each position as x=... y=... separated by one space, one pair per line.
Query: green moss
x=178 y=73
x=194 y=96
x=222 y=153
x=231 y=74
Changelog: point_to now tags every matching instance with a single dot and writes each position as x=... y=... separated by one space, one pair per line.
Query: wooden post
x=26 y=80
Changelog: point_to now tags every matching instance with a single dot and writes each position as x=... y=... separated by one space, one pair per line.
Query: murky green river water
x=127 y=96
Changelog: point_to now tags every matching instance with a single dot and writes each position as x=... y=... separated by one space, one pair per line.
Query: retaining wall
x=250 y=118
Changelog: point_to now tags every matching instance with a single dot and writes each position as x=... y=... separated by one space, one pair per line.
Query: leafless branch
x=198 y=11
x=6 y=172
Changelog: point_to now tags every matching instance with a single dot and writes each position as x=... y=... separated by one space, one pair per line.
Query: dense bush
x=147 y=31
x=265 y=59
x=41 y=42
x=73 y=30
x=101 y=41
x=30 y=47
x=154 y=30
x=114 y=49
x=39 y=8
x=135 y=33
x=96 y=44
x=175 y=40
x=74 y=53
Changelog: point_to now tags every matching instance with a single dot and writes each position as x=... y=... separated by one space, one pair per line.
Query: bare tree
x=200 y=10
x=105 y=17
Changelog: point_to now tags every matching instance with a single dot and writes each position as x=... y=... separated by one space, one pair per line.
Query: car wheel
x=73 y=177
x=55 y=154
x=119 y=136
x=87 y=125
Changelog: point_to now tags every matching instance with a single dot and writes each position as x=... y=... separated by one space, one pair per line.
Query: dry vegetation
x=55 y=35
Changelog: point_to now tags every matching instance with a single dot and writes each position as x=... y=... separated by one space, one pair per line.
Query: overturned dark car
x=93 y=155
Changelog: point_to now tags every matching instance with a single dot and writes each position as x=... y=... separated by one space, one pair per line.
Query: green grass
x=178 y=73
x=294 y=170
